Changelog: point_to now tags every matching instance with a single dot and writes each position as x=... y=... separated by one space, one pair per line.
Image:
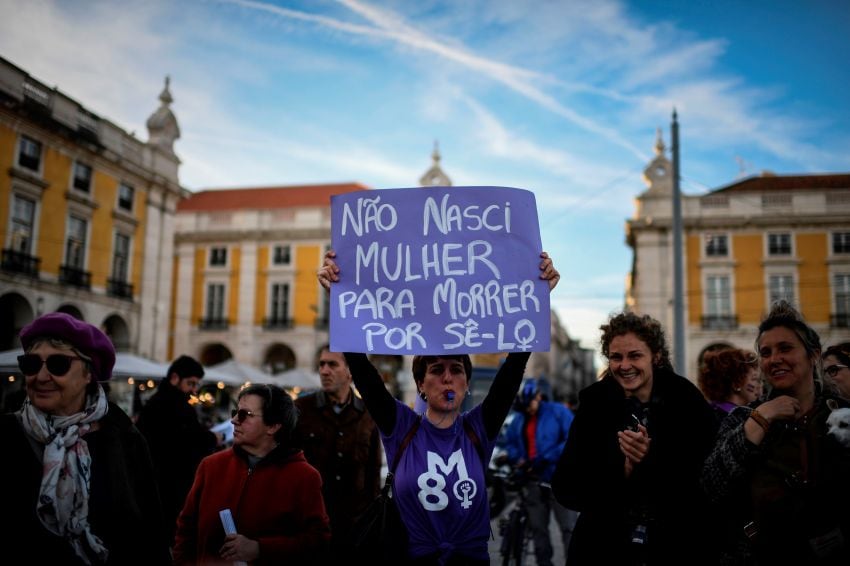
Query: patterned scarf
x=63 y=500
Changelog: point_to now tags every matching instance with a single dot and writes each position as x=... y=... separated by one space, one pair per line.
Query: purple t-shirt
x=440 y=486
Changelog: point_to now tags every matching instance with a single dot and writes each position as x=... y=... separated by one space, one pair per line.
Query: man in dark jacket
x=177 y=440
x=534 y=441
x=340 y=439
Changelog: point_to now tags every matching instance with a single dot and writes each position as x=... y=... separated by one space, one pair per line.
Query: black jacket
x=124 y=509
x=178 y=443
x=663 y=490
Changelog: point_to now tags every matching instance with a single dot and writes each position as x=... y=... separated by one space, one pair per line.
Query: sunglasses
x=833 y=370
x=57 y=364
x=241 y=414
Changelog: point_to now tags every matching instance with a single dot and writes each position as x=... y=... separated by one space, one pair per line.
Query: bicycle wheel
x=512 y=538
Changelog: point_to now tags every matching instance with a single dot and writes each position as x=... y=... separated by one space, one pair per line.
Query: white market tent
x=232 y=372
x=126 y=365
x=237 y=373
x=298 y=377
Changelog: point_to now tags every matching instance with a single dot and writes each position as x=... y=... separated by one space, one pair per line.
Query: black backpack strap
x=407 y=438
x=473 y=436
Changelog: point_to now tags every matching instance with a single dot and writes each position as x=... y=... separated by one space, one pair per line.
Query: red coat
x=279 y=503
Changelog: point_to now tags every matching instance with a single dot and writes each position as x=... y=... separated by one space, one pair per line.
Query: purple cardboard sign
x=438 y=270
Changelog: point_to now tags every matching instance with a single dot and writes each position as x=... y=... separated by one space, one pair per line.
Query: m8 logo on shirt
x=432 y=483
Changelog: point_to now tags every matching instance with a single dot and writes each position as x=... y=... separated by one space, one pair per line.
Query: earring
x=468 y=392
x=423 y=396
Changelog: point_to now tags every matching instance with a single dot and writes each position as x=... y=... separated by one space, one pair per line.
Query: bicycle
x=513 y=529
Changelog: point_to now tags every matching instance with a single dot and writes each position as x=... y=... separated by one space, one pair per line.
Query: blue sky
x=561 y=98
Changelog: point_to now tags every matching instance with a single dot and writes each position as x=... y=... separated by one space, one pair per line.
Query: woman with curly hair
x=632 y=460
x=729 y=378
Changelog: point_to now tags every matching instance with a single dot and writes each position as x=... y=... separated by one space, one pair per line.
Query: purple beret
x=86 y=338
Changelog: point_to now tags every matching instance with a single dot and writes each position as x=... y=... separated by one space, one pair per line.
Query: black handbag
x=378 y=534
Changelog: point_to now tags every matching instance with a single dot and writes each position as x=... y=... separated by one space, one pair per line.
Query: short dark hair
x=420 y=365
x=186 y=366
x=840 y=351
x=646 y=328
x=278 y=408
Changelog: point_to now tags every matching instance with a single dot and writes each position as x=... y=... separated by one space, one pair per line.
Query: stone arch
x=279 y=358
x=118 y=331
x=72 y=310
x=15 y=313
x=215 y=353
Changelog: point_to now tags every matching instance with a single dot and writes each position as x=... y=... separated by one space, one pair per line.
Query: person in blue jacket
x=534 y=441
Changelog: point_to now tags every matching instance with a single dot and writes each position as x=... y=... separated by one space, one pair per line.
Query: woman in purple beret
x=76 y=473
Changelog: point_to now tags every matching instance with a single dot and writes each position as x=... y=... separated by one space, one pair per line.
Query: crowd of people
x=650 y=468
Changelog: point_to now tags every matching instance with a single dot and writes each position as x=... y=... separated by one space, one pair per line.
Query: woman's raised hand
x=549 y=272
x=329 y=272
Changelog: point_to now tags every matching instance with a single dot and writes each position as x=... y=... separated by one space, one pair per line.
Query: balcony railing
x=74 y=276
x=322 y=323
x=213 y=324
x=277 y=323
x=719 y=322
x=19 y=262
x=120 y=289
x=840 y=320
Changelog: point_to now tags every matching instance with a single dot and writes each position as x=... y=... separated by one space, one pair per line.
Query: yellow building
x=244 y=285
x=88 y=212
x=746 y=245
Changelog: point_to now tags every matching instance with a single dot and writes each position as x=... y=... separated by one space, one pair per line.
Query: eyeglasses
x=57 y=364
x=241 y=414
x=831 y=371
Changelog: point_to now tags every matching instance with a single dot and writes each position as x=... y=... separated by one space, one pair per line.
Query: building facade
x=745 y=245
x=244 y=285
x=88 y=212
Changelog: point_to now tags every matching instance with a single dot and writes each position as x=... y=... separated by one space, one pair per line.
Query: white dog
x=839 y=426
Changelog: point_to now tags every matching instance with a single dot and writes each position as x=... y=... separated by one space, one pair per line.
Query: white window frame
x=841 y=293
x=23 y=140
x=791 y=247
x=712 y=298
x=707 y=238
x=212 y=254
x=287 y=301
x=129 y=263
x=208 y=288
x=84 y=244
x=290 y=255
x=771 y=297
x=834 y=237
x=119 y=197
x=88 y=189
x=12 y=234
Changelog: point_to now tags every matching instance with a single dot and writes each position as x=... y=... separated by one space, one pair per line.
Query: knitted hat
x=86 y=338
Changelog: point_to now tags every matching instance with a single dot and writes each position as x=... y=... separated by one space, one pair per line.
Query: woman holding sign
x=439 y=483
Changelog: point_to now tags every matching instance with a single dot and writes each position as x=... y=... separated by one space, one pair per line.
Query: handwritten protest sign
x=438 y=270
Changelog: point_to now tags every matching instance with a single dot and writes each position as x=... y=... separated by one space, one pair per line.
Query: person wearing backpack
x=439 y=482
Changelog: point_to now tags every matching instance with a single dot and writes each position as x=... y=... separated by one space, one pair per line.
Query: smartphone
x=632 y=422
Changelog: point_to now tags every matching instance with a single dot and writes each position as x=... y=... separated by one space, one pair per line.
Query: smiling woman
x=778 y=456
x=82 y=471
x=632 y=460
